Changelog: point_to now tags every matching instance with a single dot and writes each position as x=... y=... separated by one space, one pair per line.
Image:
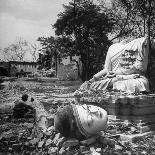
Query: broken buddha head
x=80 y=121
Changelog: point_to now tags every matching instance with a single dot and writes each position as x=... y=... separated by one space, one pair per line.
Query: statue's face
x=90 y=119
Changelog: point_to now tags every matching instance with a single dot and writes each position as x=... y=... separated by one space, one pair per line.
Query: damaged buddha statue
x=80 y=121
x=124 y=69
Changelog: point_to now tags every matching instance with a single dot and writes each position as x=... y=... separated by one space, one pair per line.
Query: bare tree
x=17 y=51
x=34 y=50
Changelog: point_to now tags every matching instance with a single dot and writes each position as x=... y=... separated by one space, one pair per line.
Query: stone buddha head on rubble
x=80 y=121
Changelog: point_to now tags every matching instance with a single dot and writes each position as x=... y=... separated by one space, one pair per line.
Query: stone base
x=142 y=126
x=134 y=108
x=134 y=137
x=126 y=107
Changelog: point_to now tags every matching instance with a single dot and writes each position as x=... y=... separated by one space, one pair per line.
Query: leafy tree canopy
x=87 y=26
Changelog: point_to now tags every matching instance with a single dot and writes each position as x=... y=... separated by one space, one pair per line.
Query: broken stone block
x=98 y=149
x=89 y=141
x=56 y=138
x=50 y=120
x=60 y=141
x=52 y=150
x=70 y=143
x=16 y=147
x=118 y=147
x=40 y=144
x=62 y=151
x=84 y=150
x=93 y=151
x=108 y=141
x=48 y=142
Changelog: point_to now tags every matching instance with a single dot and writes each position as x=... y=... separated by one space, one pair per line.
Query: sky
x=28 y=19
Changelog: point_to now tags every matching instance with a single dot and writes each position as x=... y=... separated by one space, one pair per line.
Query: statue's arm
x=107 y=69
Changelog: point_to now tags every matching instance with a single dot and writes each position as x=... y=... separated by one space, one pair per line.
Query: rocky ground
x=23 y=137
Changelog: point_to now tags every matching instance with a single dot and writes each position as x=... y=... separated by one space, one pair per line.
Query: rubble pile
x=23 y=137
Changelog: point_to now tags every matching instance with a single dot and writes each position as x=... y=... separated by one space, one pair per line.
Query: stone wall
x=67 y=72
x=67 y=69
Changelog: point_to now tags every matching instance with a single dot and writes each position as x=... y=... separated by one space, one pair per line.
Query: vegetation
x=87 y=29
x=17 y=50
x=84 y=27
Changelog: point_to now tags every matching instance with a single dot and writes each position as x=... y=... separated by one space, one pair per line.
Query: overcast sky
x=28 y=19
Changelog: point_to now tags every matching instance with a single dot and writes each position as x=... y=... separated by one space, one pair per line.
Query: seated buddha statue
x=124 y=69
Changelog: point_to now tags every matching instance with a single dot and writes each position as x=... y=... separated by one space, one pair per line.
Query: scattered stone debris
x=22 y=136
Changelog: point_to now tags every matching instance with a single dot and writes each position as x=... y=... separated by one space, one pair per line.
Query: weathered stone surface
x=107 y=141
x=70 y=143
x=134 y=137
x=62 y=151
x=98 y=149
x=60 y=141
x=90 y=140
x=84 y=150
x=56 y=138
x=93 y=151
x=52 y=150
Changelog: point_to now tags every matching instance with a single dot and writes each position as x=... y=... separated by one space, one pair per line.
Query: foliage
x=84 y=23
x=142 y=14
x=51 y=49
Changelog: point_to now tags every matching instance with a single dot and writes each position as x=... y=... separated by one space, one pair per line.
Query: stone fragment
x=52 y=150
x=98 y=149
x=60 y=141
x=62 y=151
x=56 y=138
x=118 y=147
x=70 y=143
x=93 y=151
x=48 y=142
x=51 y=120
x=40 y=144
x=90 y=140
x=108 y=141
x=84 y=150
x=51 y=128
x=34 y=141
x=16 y=147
